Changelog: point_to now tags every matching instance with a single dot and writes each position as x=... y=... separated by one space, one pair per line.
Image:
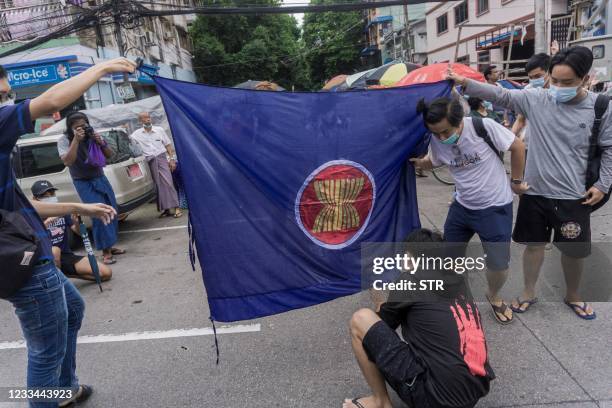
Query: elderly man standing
x=155 y=143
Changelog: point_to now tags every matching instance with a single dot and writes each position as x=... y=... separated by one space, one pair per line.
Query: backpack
x=481 y=131
x=595 y=151
x=19 y=251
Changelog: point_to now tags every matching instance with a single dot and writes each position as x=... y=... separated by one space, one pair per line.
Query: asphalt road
x=149 y=358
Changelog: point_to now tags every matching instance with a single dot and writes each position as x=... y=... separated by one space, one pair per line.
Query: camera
x=89 y=131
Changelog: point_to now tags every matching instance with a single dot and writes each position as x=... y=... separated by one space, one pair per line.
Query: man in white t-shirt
x=483 y=199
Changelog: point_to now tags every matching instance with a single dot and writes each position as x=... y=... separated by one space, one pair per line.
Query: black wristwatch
x=516 y=181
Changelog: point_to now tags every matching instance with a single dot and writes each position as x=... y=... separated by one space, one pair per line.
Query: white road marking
x=148 y=335
x=153 y=229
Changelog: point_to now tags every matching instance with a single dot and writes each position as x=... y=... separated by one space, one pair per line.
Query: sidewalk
x=547 y=357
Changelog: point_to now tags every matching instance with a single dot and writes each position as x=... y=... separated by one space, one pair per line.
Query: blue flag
x=284 y=187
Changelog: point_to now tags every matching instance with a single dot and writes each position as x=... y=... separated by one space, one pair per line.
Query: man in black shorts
x=442 y=362
x=71 y=264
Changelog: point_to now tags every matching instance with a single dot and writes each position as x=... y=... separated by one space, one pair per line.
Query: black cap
x=41 y=187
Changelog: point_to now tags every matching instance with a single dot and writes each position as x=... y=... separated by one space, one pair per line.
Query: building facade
x=483 y=32
x=162 y=42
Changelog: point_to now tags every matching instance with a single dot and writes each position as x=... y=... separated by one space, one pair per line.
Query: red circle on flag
x=335 y=203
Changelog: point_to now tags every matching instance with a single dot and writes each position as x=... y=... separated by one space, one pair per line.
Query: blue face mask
x=563 y=95
x=488 y=105
x=537 y=83
x=452 y=139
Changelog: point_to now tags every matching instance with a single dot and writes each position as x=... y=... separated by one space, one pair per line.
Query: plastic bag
x=95 y=156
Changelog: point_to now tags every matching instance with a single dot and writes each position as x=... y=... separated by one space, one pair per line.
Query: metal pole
x=407 y=33
x=540 y=27
x=457 y=45
x=509 y=58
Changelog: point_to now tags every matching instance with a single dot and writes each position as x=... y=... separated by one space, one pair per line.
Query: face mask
x=49 y=199
x=488 y=105
x=147 y=125
x=563 y=95
x=537 y=83
x=8 y=102
x=451 y=140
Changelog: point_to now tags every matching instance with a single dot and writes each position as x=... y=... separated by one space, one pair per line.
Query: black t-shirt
x=448 y=338
x=59 y=230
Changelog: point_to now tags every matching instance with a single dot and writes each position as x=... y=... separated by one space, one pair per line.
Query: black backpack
x=481 y=131
x=19 y=251
x=595 y=151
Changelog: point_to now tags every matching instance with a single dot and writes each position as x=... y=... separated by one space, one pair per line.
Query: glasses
x=7 y=96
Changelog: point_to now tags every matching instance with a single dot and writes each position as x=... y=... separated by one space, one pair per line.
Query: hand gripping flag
x=283 y=187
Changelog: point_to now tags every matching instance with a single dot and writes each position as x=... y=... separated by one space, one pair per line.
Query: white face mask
x=49 y=199
x=8 y=102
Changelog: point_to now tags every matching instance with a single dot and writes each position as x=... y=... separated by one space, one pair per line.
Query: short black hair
x=578 y=58
x=3 y=73
x=474 y=102
x=424 y=241
x=440 y=109
x=541 y=60
x=488 y=71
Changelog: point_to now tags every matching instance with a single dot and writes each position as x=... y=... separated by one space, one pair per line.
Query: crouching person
x=71 y=264
x=442 y=361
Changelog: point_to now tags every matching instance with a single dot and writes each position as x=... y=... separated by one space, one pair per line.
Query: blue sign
x=38 y=74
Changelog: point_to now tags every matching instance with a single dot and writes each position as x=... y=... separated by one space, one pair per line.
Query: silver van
x=36 y=158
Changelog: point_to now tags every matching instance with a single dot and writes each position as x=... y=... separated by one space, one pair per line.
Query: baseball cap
x=41 y=187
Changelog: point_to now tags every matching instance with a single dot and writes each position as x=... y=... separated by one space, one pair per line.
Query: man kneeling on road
x=443 y=360
x=72 y=265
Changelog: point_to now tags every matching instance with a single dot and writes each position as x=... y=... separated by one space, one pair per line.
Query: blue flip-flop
x=585 y=316
x=520 y=303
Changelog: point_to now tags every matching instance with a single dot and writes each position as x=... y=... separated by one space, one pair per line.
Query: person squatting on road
x=71 y=264
x=471 y=148
x=155 y=143
x=49 y=307
x=77 y=150
x=560 y=119
x=443 y=360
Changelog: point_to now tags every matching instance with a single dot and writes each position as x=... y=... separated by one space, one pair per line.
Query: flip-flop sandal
x=109 y=260
x=179 y=215
x=355 y=402
x=520 y=303
x=575 y=308
x=500 y=310
x=117 y=251
x=165 y=214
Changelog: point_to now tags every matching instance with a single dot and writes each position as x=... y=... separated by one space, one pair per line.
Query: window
x=599 y=51
x=461 y=13
x=5 y=4
x=465 y=60
x=120 y=143
x=483 y=60
x=39 y=160
x=442 y=23
x=482 y=6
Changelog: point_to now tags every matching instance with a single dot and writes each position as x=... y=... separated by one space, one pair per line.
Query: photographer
x=79 y=149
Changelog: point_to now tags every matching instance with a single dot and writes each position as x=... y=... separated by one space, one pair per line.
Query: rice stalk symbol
x=338 y=196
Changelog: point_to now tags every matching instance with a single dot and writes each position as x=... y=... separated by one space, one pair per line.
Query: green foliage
x=333 y=41
x=233 y=49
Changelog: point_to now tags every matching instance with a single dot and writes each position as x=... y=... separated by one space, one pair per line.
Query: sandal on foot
x=520 y=304
x=583 y=308
x=499 y=311
x=355 y=402
x=117 y=251
x=178 y=214
x=165 y=214
x=109 y=260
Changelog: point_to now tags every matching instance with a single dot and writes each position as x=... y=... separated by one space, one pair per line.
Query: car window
x=119 y=142
x=38 y=160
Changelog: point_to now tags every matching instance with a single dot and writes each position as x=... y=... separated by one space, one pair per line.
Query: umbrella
x=391 y=73
x=437 y=72
x=355 y=81
x=335 y=82
x=260 y=86
x=90 y=253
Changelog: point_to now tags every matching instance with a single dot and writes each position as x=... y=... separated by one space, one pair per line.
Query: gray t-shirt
x=559 y=135
x=79 y=169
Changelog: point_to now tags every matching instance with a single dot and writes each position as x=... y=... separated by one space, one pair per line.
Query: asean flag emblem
x=335 y=203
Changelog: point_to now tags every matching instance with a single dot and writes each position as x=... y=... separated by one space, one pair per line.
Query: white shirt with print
x=480 y=177
x=151 y=143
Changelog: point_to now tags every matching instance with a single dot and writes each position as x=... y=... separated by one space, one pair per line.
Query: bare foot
x=367 y=402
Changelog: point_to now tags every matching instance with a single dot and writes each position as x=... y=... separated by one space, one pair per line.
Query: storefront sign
x=38 y=74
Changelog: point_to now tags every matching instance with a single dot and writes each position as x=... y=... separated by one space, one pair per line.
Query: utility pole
x=407 y=33
x=117 y=23
x=541 y=39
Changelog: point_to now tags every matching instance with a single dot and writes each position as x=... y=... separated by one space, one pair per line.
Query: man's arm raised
x=64 y=93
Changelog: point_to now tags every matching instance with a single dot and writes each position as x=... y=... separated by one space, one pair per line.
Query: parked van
x=36 y=158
